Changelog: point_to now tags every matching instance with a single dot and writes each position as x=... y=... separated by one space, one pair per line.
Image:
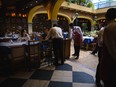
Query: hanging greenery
x=87 y=3
x=90 y=4
x=69 y=1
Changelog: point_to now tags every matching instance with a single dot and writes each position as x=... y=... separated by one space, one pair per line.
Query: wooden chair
x=47 y=52
x=33 y=55
x=5 y=64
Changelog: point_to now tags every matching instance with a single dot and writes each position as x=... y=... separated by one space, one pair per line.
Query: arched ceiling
x=52 y=7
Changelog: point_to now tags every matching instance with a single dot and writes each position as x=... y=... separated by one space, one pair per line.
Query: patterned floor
x=74 y=73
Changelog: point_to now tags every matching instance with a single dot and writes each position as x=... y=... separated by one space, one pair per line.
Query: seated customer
x=24 y=36
x=45 y=32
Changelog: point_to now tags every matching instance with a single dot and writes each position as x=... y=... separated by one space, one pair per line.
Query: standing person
x=108 y=61
x=55 y=33
x=77 y=36
x=100 y=43
x=95 y=50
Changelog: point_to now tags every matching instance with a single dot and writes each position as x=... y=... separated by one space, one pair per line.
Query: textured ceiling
x=21 y=4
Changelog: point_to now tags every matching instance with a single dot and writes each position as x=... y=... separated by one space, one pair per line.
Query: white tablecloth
x=5 y=38
x=9 y=44
x=88 y=37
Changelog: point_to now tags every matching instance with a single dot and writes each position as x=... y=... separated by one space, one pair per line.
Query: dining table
x=10 y=44
x=7 y=51
x=87 y=40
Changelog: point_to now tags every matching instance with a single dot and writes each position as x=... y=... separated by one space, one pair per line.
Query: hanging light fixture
x=76 y=15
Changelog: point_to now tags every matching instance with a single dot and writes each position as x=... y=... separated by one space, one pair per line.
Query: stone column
x=52 y=22
x=30 y=28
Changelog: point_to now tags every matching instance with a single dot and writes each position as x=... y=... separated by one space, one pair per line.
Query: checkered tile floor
x=74 y=73
x=71 y=74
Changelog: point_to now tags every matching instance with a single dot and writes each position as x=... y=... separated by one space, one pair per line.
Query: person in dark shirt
x=108 y=60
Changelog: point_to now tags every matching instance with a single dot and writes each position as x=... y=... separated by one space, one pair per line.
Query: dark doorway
x=85 y=24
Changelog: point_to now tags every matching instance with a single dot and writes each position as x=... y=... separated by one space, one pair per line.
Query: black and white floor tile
x=72 y=74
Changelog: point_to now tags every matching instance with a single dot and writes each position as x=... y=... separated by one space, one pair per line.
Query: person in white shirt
x=55 y=33
x=78 y=29
x=100 y=43
x=77 y=37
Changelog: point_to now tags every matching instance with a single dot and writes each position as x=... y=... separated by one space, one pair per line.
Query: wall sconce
x=76 y=15
x=7 y=14
x=13 y=14
x=95 y=17
x=19 y=15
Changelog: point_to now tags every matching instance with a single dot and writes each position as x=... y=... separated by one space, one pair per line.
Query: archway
x=85 y=23
x=52 y=10
x=40 y=22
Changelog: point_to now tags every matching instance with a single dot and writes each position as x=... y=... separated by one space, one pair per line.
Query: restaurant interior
x=29 y=62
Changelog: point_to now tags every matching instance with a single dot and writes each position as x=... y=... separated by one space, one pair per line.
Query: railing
x=104 y=4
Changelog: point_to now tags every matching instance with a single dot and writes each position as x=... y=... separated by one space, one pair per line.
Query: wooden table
x=10 y=54
x=87 y=40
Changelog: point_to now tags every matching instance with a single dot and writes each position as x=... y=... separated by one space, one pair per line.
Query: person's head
x=110 y=14
x=46 y=30
x=71 y=25
x=101 y=25
x=55 y=25
x=23 y=32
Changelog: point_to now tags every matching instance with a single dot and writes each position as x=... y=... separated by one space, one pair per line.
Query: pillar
x=30 y=28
